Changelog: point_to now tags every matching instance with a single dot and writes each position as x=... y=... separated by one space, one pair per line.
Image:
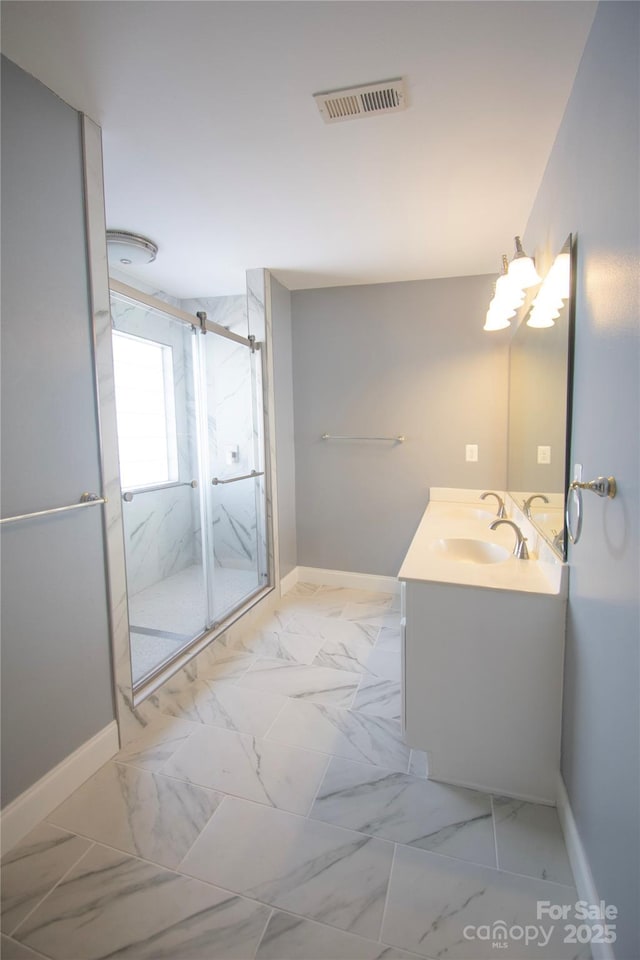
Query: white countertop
x=454 y=518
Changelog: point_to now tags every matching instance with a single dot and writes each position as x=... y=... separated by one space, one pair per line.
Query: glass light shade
x=542 y=316
x=522 y=269
x=495 y=323
x=508 y=292
x=523 y=272
x=498 y=316
x=548 y=299
x=559 y=277
x=497 y=308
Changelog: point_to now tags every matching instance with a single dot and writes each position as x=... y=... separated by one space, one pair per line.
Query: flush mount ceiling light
x=522 y=268
x=129 y=249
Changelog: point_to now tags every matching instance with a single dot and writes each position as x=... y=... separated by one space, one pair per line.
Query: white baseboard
x=343 y=578
x=27 y=810
x=585 y=884
x=289 y=581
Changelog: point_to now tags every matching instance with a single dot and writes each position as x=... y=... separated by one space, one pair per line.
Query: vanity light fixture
x=507 y=297
x=522 y=269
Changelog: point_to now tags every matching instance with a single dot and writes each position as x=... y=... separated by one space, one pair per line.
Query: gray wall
x=56 y=672
x=591 y=187
x=398 y=358
x=285 y=451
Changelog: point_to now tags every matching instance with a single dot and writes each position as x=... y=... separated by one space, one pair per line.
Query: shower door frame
x=202 y=326
x=134 y=712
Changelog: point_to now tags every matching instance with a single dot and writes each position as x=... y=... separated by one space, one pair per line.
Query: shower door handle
x=245 y=476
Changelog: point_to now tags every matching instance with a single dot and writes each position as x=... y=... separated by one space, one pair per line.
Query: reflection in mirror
x=540 y=363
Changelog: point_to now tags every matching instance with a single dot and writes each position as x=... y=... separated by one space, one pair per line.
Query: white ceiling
x=214 y=148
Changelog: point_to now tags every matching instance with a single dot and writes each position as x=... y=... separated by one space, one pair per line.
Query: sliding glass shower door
x=189 y=409
x=235 y=473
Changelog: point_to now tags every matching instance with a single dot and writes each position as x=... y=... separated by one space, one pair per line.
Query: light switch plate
x=544 y=454
x=471 y=452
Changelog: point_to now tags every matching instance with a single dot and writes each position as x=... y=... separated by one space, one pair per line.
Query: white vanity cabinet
x=482 y=667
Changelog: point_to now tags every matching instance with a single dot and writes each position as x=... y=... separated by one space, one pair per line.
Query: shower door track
x=154 y=680
x=137 y=296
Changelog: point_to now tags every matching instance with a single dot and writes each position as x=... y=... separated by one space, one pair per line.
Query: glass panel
x=157 y=423
x=234 y=444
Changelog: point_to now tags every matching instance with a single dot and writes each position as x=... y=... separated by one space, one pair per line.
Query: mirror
x=540 y=384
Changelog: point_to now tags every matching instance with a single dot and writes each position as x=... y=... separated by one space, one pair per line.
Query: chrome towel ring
x=601 y=486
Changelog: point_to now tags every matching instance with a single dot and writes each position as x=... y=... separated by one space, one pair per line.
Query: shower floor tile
x=166 y=616
x=284 y=785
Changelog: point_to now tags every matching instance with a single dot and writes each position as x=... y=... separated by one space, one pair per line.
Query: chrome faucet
x=526 y=506
x=501 y=510
x=520 y=550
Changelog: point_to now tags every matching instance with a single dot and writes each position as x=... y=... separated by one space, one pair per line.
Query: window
x=145 y=410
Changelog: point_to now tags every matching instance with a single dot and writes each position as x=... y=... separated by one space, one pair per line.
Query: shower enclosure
x=191 y=446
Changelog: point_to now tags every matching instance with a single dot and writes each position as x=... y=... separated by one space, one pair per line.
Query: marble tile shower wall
x=230 y=432
x=162 y=528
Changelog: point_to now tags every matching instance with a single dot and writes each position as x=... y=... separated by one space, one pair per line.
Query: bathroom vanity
x=483 y=649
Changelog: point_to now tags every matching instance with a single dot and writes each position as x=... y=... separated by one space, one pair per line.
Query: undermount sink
x=463 y=550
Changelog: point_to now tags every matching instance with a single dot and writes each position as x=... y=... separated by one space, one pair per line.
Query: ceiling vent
x=353 y=103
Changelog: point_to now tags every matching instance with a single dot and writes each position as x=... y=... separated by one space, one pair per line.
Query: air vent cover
x=353 y=103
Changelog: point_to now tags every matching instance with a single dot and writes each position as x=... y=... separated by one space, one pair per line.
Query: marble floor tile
x=530 y=841
x=389 y=639
x=323 y=603
x=292 y=938
x=382 y=698
x=33 y=867
x=222 y=703
x=342 y=733
x=315 y=870
x=244 y=766
x=405 y=809
x=434 y=900
x=375 y=615
x=302 y=589
x=142 y=813
x=419 y=764
x=385 y=664
x=223 y=663
x=368 y=608
x=332 y=601
x=319 y=684
x=156 y=743
x=281 y=644
x=308 y=623
x=114 y=905
x=12 y=950
x=348 y=646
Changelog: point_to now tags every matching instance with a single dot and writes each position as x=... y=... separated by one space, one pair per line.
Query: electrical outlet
x=544 y=454
x=471 y=452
